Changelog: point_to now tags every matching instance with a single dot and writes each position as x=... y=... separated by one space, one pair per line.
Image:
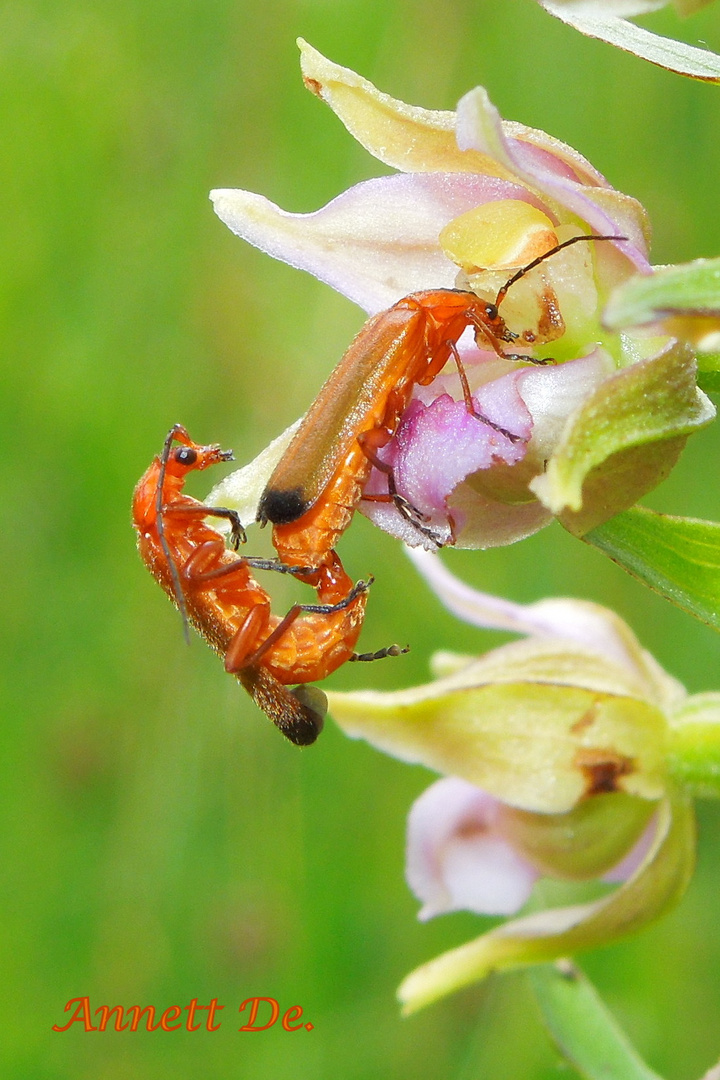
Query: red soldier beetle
x=317 y=484
x=214 y=590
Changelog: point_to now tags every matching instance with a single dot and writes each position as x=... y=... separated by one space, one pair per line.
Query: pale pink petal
x=375 y=243
x=579 y=621
x=608 y=212
x=455 y=861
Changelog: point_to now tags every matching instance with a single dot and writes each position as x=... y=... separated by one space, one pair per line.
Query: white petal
x=585 y=624
x=376 y=242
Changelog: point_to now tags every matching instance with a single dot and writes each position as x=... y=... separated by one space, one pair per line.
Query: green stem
x=693 y=750
x=583 y=1028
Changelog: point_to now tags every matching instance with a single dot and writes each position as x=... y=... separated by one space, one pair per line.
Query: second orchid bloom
x=570 y=755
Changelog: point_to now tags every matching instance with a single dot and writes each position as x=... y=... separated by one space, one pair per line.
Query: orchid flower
x=571 y=755
x=476 y=198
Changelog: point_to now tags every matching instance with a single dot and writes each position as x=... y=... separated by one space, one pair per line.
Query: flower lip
x=468 y=851
x=457 y=859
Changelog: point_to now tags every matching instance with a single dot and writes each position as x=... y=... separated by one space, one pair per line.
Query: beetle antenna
x=172 y=565
x=541 y=258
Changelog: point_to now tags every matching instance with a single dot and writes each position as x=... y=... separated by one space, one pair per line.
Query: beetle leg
x=330 y=609
x=404 y=506
x=277 y=566
x=239 y=656
x=242 y=651
x=369 y=441
x=470 y=404
x=198 y=567
x=237 y=532
x=392 y=650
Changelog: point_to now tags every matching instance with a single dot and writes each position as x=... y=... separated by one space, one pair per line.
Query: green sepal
x=690 y=289
x=623 y=440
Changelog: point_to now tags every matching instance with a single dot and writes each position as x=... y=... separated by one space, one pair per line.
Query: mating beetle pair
x=310 y=499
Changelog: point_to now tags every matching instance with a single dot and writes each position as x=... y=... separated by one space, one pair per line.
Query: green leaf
x=583 y=1028
x=677 y=557
x=593 y=20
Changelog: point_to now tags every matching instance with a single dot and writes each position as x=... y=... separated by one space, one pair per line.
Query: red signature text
x=260 y=1013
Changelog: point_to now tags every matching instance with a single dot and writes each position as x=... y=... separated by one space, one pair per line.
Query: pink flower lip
x=441 y=443
x=459 y=859
x=455 y=859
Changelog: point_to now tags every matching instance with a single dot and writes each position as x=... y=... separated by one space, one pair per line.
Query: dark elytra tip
x=314 y=706
x=282 y=507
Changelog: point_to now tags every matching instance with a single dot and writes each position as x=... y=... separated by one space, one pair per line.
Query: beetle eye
x=184 y=455
x=491 y=311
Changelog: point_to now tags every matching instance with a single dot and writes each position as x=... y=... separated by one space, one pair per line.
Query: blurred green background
x=160 y=841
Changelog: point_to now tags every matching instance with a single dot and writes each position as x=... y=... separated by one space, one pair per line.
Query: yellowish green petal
x=538 y=724
x=405 y=137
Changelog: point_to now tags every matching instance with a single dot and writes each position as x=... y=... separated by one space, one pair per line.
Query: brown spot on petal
x=471 y=830
x=603 y=769
x=586 y=720
x=551 y=324
x=313 y=85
